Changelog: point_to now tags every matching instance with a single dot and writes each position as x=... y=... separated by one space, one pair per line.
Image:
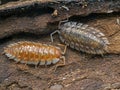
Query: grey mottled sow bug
x=82 y=37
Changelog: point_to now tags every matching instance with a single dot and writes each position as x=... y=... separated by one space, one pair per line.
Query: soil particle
x=56 y=87
x=86 y=84
x=113 y=86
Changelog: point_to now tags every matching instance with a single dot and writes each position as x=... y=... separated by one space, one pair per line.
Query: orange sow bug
x=34 y=53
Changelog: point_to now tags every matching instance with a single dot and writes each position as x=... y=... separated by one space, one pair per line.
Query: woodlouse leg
x=24 y=66
x=17 y=62
x=36 y=66
x=102 y=55
x=59 y=65
x=65 y=48
x=51 y=35
x=118 y=21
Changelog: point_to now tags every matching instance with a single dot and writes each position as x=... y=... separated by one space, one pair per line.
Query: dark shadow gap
x=94 y=16
x=30 y=11
x=6 y=1
x=22 y=35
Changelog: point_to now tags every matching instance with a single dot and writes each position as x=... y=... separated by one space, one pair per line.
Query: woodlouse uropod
x=82 y=37
x=34 y=53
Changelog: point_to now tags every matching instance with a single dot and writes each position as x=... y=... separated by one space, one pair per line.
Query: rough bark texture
x=32 y=20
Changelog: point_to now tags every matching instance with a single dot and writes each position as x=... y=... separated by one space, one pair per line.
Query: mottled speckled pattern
x=84 y=38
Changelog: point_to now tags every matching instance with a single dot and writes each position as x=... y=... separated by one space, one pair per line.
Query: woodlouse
x=34 y=53
x=82 y=37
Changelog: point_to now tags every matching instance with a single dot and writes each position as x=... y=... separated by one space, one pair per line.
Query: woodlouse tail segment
x=51 y=35
x=60 y=65
x=65 y=48
x=4 y=51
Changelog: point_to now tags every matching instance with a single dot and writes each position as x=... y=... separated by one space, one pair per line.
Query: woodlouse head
x=58 y=53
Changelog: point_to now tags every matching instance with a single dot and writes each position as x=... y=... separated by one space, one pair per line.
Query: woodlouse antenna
x=65 y=48
x=62 y=22
x=60 y=65
x=66 y=8
x=57 y=31
x=51 y=35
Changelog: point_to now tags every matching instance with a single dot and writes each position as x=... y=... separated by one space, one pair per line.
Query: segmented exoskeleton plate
x=33 y=53
x=82 y=37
